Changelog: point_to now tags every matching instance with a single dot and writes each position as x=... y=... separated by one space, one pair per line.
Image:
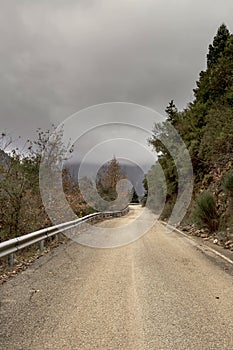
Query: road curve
x=159 y=292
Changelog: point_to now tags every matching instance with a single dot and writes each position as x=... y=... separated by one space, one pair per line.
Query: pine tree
x=219 y=43
x=172 y=112
x=135 y=198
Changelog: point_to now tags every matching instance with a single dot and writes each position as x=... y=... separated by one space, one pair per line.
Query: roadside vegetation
x=206 y=127
x=22 y=210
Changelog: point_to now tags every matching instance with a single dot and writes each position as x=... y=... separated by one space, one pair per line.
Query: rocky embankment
x=223 y=239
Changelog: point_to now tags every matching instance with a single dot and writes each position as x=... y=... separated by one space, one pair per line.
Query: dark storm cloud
x=57 y=57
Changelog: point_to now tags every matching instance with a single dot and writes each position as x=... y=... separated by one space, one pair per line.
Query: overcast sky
x=59 y=56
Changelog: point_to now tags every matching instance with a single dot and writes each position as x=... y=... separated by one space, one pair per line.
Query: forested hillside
x=206 y=127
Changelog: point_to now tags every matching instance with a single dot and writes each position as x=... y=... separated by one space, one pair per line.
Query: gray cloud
x=60 y=56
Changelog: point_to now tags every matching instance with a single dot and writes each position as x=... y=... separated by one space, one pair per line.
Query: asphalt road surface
x=159 y=292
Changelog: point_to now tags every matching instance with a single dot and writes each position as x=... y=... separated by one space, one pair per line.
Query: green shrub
x=168 y=207
x=227 y=183
x=143 y=201
x=205 y=212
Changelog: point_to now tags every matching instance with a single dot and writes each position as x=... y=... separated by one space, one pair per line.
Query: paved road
x=159 y=292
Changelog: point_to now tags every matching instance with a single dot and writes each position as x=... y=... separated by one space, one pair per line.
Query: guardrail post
x=41 y=245
x=11 y=259
x=59 y=238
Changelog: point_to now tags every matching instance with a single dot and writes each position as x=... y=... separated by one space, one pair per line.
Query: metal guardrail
x=13 y=245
